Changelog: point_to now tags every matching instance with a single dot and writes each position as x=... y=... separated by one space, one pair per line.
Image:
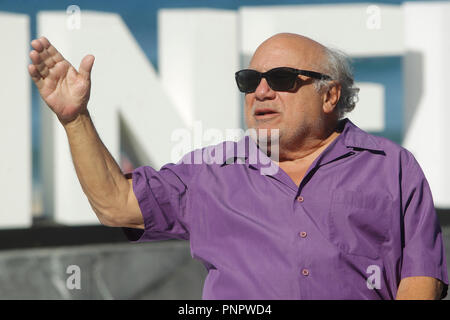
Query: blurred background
x=162 y=85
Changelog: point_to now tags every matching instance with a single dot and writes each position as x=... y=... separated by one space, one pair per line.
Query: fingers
x=39 y=64
x=86 y=66
x=35 y=75
x=47 y=58
x=36 y=45
x=44 y=56
x=51 y=50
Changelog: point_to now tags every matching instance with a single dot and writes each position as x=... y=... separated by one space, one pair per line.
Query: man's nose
x=264 y=91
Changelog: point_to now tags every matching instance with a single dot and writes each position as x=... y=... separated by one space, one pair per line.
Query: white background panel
x=427 y=111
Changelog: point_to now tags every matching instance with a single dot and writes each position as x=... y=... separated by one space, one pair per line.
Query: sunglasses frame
x=266 y=75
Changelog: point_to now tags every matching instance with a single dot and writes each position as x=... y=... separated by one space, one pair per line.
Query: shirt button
x=303 y=234
x=305 y=272
x=300 y=199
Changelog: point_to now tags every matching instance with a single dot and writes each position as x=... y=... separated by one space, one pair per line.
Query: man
x=347 y=216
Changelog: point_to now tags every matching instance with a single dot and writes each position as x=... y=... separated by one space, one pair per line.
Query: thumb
x=86 y=66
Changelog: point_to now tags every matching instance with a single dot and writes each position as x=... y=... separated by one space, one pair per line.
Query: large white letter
x=125 y=88
x=15 y=127
x=198 y=56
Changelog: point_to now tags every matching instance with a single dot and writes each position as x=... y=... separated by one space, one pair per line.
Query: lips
x=265 y=113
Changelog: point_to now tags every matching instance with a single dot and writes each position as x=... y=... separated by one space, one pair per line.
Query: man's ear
x=331 y=96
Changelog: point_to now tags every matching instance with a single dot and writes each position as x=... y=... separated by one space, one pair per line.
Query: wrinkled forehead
x=289 y=51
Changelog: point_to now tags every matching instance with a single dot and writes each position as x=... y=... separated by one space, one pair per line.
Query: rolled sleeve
x=423 y=252
x=162 y=199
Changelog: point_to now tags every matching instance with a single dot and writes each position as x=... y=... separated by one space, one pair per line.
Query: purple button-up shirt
x=361 y=220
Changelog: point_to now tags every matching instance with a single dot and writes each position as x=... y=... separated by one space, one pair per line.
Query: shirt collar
x=351 y=137
x=357 y=138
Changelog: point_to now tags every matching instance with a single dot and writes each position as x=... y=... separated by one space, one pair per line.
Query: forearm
x=100 y=176
x=419 y=288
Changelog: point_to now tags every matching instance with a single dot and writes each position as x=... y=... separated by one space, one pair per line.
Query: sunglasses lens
x=248 y=80
x=281 y=79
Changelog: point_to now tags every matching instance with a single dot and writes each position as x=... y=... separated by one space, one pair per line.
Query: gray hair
x=337 y=66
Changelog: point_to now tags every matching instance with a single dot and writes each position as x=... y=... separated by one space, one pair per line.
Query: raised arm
x=66 y=91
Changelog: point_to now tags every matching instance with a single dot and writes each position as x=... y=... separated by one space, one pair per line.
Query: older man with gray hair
x=347 y=215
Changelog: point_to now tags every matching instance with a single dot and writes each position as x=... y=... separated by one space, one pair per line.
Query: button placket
x=304 y=272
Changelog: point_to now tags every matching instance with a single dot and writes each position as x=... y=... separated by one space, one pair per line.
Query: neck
x=310 y=147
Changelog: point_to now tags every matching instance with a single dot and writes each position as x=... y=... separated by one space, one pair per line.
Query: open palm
x=65 y=90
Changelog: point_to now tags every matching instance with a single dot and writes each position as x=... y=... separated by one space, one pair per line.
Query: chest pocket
x=359 y=222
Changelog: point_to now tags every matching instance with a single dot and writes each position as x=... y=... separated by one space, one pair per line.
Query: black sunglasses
x=279 y=79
